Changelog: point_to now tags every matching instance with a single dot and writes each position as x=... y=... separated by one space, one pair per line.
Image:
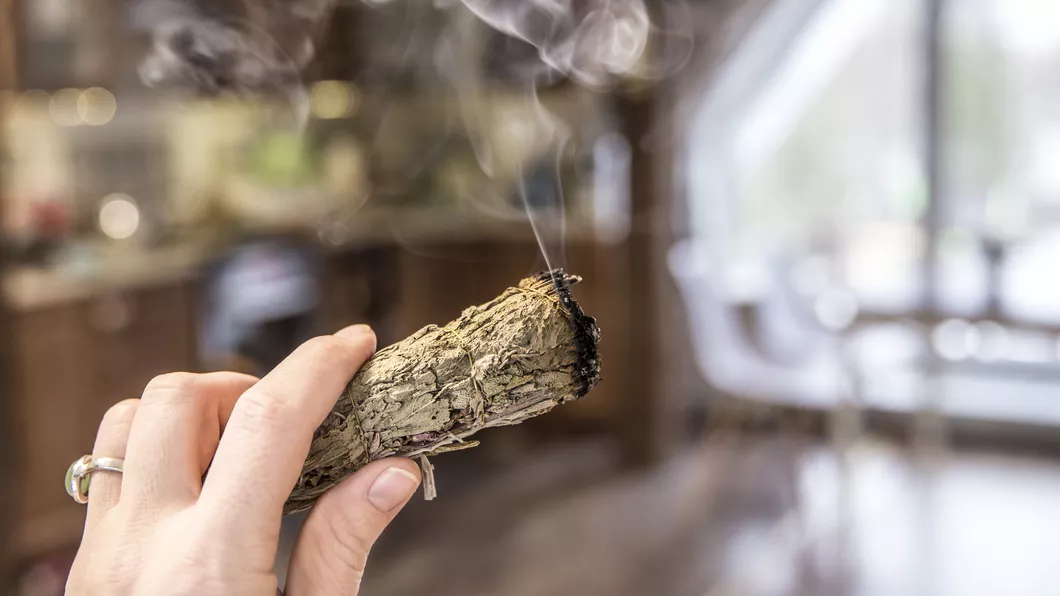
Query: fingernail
x=354 y=331
x=357 y=333
x=392 y=488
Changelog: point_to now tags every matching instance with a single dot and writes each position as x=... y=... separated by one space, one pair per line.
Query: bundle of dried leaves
x=499 y=364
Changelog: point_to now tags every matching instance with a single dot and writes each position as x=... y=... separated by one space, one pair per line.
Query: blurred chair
x=731 y=361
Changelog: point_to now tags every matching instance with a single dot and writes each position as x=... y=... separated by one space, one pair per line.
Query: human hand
x=158 y=529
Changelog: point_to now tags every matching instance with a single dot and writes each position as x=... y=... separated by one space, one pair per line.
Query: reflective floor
x=733 y=516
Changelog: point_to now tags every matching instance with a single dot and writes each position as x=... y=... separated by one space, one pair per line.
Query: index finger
x=267 y=438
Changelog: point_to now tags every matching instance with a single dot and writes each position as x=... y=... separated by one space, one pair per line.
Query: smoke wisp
x=262 y=47
x=250 y=47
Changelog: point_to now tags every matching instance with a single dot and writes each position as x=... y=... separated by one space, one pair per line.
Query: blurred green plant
x=283 y=159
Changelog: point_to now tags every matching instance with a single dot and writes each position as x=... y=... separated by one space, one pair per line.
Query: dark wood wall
x=10 y=462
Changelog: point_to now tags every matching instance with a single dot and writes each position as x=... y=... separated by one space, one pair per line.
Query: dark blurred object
x=266 y=344
x=260 y=302
x=10 y=468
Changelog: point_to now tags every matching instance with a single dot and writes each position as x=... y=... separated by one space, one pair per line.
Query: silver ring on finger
x=79 y=474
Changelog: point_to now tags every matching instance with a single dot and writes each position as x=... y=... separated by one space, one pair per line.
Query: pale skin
x=158 y=529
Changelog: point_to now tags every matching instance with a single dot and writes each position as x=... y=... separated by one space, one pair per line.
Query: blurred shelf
x=117 y=270
x=930 y=318
x=446 y=224
x=37 y=288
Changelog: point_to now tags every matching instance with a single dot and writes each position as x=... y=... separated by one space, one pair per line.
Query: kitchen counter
x=32 y=288
x=118 y=270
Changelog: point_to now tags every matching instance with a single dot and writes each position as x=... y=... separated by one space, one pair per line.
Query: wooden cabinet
x=138 y=336
x=53 y=387
x=362 y=286
x=72 y=362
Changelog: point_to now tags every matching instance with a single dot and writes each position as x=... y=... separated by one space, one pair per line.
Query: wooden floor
x=731 y=516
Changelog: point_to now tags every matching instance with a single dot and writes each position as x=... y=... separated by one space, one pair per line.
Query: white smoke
x=591 y=45
x=265 y=45
x=262 y=47
x=245 y=46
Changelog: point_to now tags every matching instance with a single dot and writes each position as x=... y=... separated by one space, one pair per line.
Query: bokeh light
x=955 y=339
x=96 y=106
x=63 y=107
x=119 y=217
x=330 y=100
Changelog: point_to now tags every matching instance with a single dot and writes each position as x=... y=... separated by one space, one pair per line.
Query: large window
x=822 y=267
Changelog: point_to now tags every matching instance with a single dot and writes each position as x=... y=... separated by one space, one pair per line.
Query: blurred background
x=817 y=236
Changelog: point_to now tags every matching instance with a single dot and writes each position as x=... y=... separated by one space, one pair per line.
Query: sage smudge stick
x=501 y=363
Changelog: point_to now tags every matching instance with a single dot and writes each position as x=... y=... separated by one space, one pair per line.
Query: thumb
x=332 y=549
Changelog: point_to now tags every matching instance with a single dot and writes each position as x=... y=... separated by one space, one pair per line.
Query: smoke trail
x=251 y=47
x=262 y=47
x=606 y=41
x=595 y=43
x=511 y=134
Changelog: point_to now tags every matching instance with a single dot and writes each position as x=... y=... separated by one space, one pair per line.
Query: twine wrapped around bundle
x=501 y=363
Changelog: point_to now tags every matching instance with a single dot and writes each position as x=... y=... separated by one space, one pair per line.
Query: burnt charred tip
x=586 y=331
x=587 y=343
x=559 y=277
